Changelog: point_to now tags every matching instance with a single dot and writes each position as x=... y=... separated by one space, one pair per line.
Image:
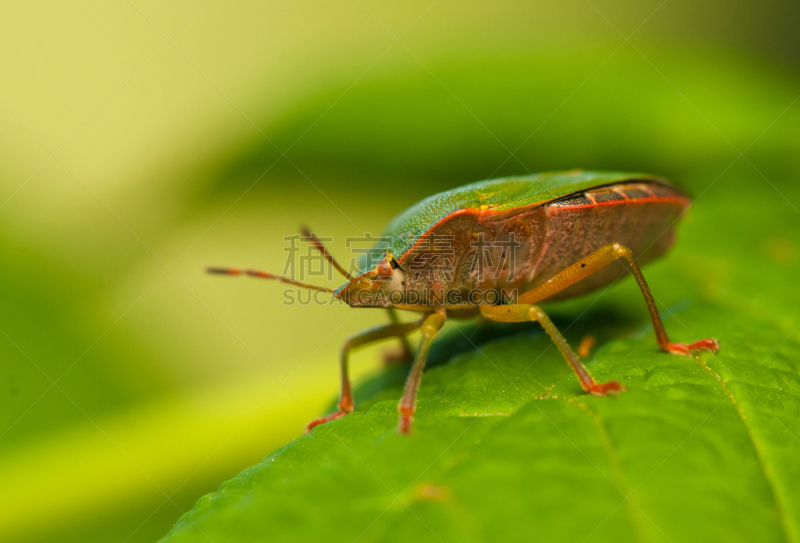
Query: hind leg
x=598 y=260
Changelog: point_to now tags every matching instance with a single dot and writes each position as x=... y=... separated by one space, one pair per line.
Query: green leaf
x=506 y=446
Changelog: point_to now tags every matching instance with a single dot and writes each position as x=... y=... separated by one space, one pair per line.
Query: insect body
x=496 y=249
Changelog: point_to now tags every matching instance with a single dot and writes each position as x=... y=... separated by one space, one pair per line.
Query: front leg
x=346 y=403
x=408 y=403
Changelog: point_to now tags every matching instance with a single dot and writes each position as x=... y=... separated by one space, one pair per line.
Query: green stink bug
x=510 y=244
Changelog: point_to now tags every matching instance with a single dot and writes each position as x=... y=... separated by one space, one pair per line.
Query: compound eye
x=384 y=269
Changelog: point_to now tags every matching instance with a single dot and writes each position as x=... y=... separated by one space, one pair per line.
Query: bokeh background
x=141 y=141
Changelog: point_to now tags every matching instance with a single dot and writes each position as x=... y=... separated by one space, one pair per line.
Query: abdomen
x=641 y=216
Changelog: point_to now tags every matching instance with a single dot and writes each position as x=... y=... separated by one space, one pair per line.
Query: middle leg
x=403 y=353
x=529 y=312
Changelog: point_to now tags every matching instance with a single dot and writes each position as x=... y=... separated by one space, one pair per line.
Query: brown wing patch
x=620 y=194
x=575 y=200
x=605 y=195
x=635 y=192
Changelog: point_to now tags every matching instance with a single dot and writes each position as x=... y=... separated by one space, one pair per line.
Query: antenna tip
x=223 y=271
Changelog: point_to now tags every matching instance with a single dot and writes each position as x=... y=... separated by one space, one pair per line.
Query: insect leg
x=430 y=327
x=529 y=312
x=596 y=261
x=370 y=336
x=405 y=354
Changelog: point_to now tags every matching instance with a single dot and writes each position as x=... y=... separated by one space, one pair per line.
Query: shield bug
x=498 y=248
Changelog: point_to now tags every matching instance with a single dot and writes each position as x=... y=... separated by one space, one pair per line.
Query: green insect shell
x=502 y=194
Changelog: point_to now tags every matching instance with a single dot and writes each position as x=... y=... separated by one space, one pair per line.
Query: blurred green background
x=142 y=141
